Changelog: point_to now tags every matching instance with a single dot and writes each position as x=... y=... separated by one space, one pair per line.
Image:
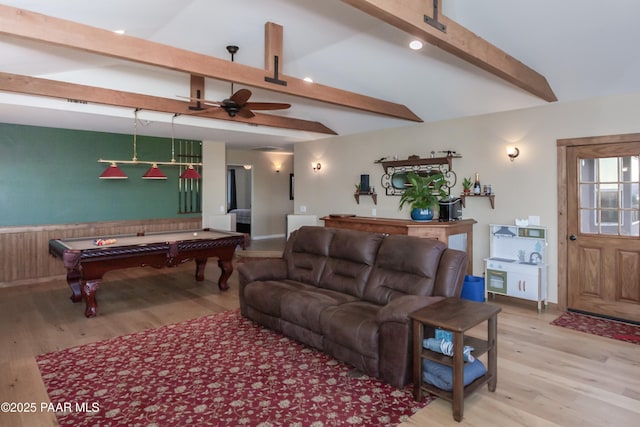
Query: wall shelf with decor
x=374 y=196
x=491 y=197
x=417 y=162
x=394 y=180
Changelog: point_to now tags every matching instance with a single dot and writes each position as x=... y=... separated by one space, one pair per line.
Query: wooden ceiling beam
x=76 y=92
x=273 y=46
x=409 y=16
x=47 y=29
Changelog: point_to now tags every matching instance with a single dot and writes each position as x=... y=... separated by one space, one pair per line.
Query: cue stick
x=198 y=190
x=185 y=182
x=198 y=209
x=179 y=180
x=191 y=180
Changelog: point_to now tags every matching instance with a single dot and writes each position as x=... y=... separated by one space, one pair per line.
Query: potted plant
x=466 y=185
x=422 y=194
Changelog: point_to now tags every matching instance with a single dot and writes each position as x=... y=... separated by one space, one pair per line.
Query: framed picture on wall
x=291 y=182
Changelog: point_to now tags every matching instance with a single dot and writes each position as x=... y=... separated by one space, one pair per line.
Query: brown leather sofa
x=349 y=294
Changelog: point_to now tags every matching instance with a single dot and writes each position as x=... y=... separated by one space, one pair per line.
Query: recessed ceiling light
x=415 y=45
x=308 y=79
x=119 y=31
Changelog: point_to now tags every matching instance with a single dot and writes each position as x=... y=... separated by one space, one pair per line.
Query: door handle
x=573 y=237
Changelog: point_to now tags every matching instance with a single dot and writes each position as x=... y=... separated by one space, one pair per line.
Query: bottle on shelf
x=477 y=188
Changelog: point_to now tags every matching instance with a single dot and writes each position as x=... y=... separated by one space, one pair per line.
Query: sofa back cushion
x=306 y=253
x=352 y=255
x=404 y=265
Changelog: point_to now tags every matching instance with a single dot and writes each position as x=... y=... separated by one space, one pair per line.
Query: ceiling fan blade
x=203 y=110
x=213 y=104
x=241 y=97
x=245 y=112
x=204 y=101
x=267 y=106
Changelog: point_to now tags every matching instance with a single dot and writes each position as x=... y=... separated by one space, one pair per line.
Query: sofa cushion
x=265 y=296
x=351 y=258
x=307 y=253
x=404 y=265
x=352 y=325
x=304 y=307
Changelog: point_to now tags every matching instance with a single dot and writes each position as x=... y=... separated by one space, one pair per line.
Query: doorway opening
x=240 y=195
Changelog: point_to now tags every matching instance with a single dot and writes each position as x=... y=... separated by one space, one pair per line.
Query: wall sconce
x=277 y=166
x=316 y=166
x=247 y=167
x=513 y=152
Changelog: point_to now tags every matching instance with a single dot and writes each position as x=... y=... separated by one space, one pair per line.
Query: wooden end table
x=458 y=316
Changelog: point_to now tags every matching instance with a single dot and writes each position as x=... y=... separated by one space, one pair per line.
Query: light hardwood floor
x=547 y=376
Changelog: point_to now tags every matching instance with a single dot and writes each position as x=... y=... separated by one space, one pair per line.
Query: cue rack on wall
x=189 y=190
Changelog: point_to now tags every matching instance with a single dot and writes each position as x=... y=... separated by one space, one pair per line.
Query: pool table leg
x=73 y=280
x=227 y=268
x=89 y=289
x=201 y=263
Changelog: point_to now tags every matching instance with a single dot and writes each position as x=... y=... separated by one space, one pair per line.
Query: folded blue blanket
x=441 y=376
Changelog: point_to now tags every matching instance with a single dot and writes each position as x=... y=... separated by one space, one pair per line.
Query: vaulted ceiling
x=584 y=49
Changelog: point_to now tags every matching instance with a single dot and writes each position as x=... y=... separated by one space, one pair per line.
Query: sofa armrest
x=399 y=309
x=267 y=269
x=451 y=271
x=396 y=339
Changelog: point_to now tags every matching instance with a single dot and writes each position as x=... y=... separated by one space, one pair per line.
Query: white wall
x=527 y=186
x=213 y=179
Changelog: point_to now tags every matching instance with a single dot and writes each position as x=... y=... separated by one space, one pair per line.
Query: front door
x=603 y=219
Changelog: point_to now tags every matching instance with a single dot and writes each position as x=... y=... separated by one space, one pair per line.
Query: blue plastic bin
x=473 y=288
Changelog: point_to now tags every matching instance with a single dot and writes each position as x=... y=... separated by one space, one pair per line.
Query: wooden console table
x=442 y=231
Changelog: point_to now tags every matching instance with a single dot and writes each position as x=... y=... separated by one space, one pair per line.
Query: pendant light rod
x=135 y=131
x=135 y=161
x=144 y=162
x=154 y=164
x=173 y=143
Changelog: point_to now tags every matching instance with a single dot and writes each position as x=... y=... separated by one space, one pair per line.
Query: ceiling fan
x=238 y=103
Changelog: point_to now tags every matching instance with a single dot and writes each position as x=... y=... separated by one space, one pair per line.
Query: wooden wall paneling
x=24 y=251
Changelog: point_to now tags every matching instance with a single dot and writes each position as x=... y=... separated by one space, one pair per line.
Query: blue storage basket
x=473 y=288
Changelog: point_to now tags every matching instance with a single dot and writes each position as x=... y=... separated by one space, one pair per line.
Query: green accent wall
x=50 y=176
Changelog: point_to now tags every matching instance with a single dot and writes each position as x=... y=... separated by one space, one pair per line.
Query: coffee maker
x=450 y=209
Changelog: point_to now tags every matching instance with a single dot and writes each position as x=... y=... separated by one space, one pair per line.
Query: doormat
x=599 y=326
x=218 y=370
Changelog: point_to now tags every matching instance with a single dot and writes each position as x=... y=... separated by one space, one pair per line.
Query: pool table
x=87 y=259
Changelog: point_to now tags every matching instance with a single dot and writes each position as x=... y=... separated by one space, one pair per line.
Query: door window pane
x=609 y=196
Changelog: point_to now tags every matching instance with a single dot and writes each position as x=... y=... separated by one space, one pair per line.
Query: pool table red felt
x=86 y=262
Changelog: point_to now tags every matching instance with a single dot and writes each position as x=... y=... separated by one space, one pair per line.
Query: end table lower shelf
x=458 y=316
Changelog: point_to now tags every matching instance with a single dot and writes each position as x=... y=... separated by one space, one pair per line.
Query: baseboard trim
x=269 y=236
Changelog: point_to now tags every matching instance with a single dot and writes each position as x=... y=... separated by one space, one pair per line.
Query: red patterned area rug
x=598 y=326
x=218 y=370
